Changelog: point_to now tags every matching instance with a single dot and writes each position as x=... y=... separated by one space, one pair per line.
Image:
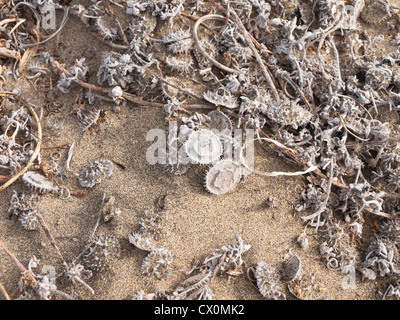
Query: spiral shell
x=292 y=268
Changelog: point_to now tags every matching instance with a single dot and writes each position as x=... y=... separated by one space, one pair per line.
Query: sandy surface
x=197 y=222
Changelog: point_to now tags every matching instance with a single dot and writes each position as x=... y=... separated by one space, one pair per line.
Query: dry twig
x=3 y=290
x=21 y=268
x=256 y=54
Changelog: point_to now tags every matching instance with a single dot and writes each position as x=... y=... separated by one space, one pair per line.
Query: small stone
x=270 y=202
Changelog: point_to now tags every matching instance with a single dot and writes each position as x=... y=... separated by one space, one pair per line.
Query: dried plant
x=141 y=295
x=337 y=250
x=101 y=252
x=23 y=207
x=376 y=12
x=268 y=281
x=94 y=172
x=381 y=258
x=88 y=118
x=142 y=242
x=78 y=72
x=223 y=260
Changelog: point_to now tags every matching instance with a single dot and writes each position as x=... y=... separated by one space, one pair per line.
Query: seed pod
x=182 y=63
x=109 y=210
x=38 y=183
x=375 y=12
x=221 y=97
x=203 y=147
x=105 y=28
x=179 y=41
x=28 y=220
x=88 y=118
x=223 y=177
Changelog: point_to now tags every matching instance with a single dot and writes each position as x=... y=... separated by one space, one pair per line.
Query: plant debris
x=308 y=80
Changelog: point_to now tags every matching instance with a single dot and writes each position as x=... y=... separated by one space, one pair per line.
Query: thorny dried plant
x=381 y=259
x=23 y=207
x=78 y=71
x=154 y=224
x=142 y=241
x=88 y=118
x=17 y=139
x=338 y=250
x=43 y=290
x=94 y=172
x=303 y=74
x=382 y=255
x=158 y=263
x=152 y=227
x=222 y=260
x=101 y=252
